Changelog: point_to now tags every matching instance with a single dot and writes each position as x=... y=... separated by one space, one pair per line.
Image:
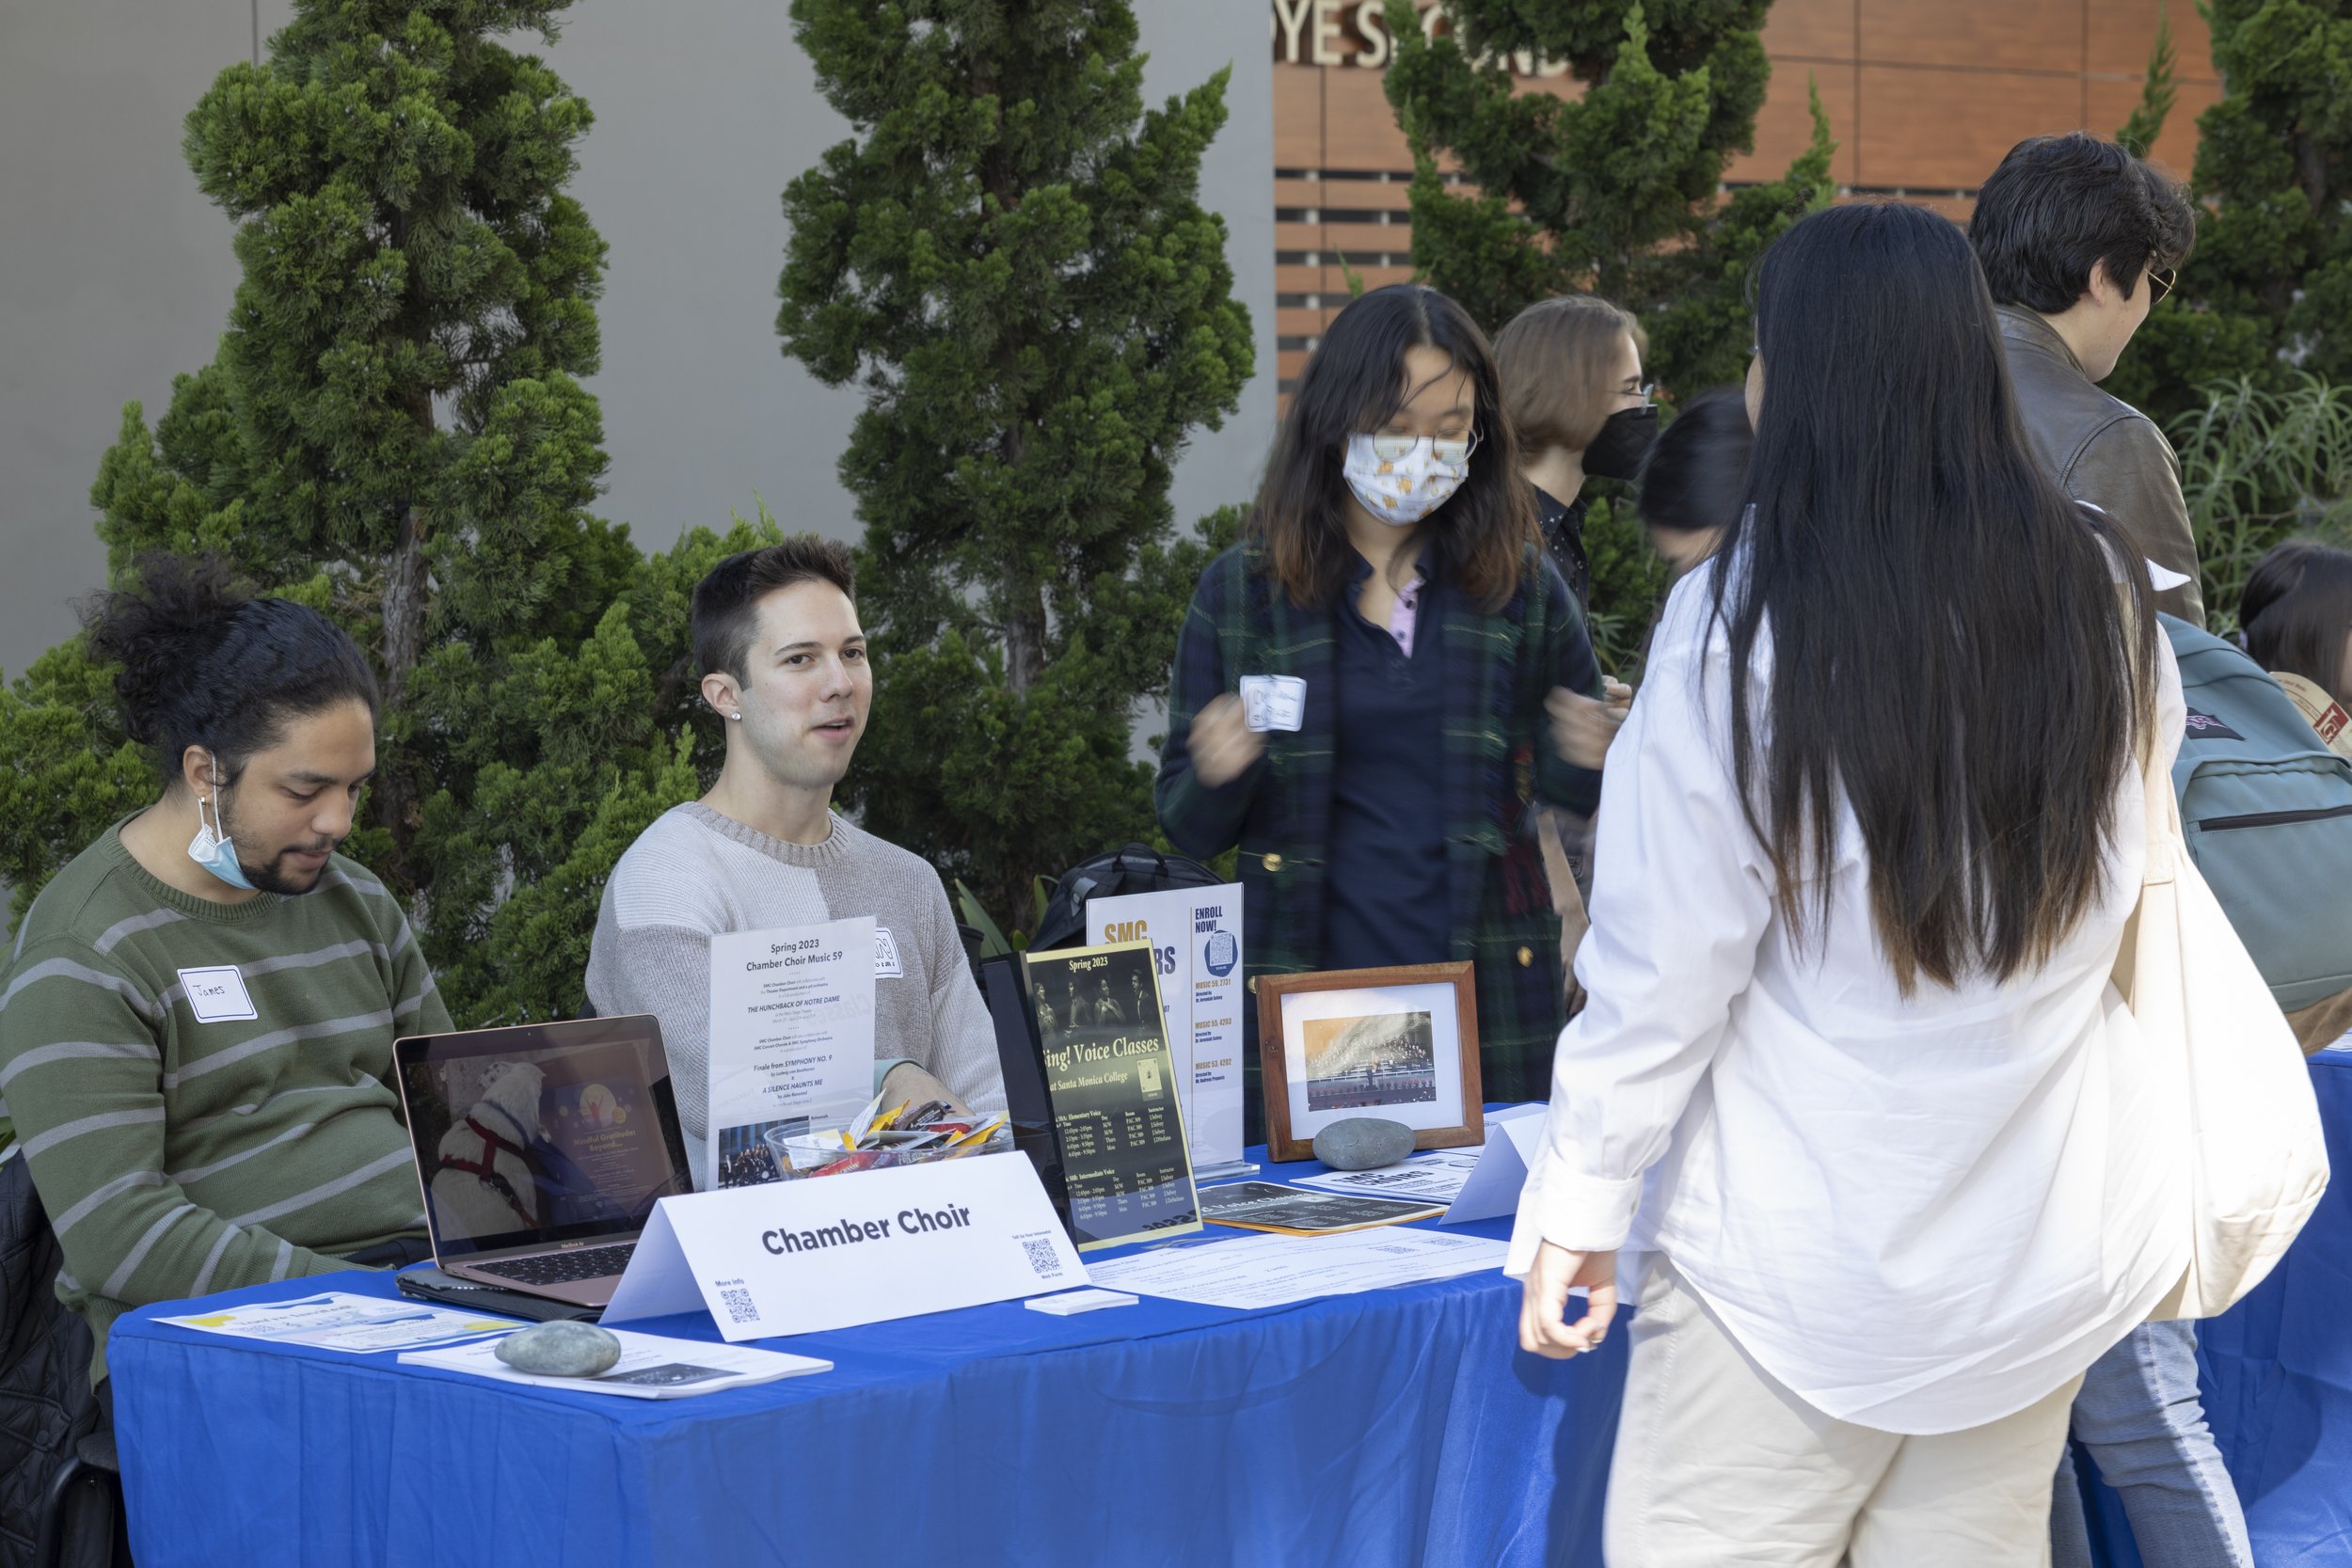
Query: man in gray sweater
x=784 y=662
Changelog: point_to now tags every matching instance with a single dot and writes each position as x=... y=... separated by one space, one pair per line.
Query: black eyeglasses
x=2160 y=284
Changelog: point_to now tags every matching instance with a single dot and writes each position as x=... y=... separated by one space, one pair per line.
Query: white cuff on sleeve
x=1571 y=1210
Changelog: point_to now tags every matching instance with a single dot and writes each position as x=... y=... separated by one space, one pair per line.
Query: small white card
x=1273 y=702
x=217 y=995
x=888 y=965
x=1078 y=1301
x=837 y=1251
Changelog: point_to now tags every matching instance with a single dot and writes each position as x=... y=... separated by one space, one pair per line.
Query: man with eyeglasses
x=2079 y=240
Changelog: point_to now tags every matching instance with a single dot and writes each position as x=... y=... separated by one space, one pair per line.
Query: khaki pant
x=1718 y=1467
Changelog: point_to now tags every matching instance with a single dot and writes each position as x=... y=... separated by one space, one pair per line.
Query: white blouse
x=1918 y=1214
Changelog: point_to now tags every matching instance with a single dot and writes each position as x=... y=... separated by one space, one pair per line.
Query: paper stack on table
x=652 y=1366
x=1273 y=1271
x=341 y=1321
x=1295 y=1212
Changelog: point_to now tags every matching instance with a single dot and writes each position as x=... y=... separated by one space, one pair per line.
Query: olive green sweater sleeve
x=202 y=1091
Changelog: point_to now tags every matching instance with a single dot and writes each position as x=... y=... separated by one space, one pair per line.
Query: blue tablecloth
x=1397 y=1427
x=2278 y=1376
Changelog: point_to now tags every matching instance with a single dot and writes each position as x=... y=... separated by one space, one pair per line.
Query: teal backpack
x=2267 y=809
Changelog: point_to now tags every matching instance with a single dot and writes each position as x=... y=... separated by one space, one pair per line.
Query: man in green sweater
x=197 y=1024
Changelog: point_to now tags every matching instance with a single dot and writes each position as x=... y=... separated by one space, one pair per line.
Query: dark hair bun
x=163 y=632
x=202 y=663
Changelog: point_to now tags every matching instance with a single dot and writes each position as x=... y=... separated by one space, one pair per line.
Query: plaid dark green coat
x=1497 y=758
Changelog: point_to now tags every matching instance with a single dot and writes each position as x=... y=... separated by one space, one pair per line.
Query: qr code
x=1041 y=1256
x=739 y=1304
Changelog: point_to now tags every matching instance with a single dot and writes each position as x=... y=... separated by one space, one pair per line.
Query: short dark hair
x=725 y=611
x=1696 y=474
x=2295 y=609
x=2057 y=205
x=205 y=663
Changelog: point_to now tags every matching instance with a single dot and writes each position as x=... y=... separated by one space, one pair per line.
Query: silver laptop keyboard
x=564 y=1268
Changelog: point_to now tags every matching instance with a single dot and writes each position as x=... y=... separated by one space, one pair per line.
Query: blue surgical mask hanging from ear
x=211 y=847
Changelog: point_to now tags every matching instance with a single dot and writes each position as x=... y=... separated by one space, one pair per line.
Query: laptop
x=541 y=1149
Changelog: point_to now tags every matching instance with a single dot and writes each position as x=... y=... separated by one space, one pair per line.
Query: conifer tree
x=1010 y=258
x=393 y=431
x=2268 y=291
x=1617 y=191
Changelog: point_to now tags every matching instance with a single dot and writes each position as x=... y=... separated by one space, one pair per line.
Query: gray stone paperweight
x=561 y=1350
x=1363 y=1143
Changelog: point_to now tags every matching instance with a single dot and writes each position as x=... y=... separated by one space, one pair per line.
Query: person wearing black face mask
x=1572 y=384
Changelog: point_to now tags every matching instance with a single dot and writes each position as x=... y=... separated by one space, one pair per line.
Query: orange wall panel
x=1946 y=130
x=1359 y=127
x=1297 y=117
x=1810 y=29
x=2009 y=34
x=2118 y=35
x=1785 y=124
x=2111 y=103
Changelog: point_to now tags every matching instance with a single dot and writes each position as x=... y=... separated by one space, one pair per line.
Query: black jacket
x=1562 y=523
x=46 y=1404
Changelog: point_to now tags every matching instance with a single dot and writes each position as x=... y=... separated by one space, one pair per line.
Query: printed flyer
x=1115 y=1094
x=791 y=1039
x=1194 y=937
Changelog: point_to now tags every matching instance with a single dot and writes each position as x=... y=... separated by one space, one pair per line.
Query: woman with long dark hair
x=1867 y=847
x=1391 y=613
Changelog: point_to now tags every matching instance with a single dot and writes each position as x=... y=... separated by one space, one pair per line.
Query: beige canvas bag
x=2239 y=1093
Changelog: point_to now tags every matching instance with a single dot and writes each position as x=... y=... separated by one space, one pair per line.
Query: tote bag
x=2245 y=1115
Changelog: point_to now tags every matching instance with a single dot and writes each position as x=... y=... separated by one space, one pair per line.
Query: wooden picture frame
x=1421 y=1069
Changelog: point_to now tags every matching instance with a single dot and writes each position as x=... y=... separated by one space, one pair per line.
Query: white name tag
x=217 y=995
x=886 y=964
x=1273 y=702
x=836 y=1251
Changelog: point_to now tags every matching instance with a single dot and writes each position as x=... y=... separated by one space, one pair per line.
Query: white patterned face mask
x=1402 y=478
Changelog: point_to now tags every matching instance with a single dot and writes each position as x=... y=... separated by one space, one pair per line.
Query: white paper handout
x=1435 y=1176
x=1195 y=937
x=1273 y=1271
x=791 y=1033
x=862 y=1248
x=341 y=1321
x=652 y=1366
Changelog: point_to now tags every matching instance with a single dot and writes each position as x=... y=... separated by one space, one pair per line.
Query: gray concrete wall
x=116 y=275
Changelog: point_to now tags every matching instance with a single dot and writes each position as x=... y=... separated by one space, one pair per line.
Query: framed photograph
x=1397 y=1043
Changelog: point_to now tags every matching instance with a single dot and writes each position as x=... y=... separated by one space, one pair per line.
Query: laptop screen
x=541 y=1133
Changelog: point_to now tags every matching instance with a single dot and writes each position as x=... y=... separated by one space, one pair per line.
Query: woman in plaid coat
x=1392 y=583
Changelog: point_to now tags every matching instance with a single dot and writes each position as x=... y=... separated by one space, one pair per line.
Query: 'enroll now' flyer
x=1196 y=935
